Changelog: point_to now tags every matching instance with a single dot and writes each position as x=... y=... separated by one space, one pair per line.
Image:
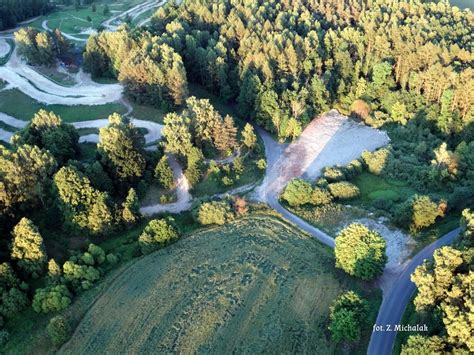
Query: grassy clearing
x=255 y=285
x=14 y=103
x=373 y=187
x=154 y=193
x=148 y=113
x=52 y=74
x=72 y=21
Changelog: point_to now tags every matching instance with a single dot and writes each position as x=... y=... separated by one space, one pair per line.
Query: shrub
x=157 y=234
x=58 y=330
x=343 y=190
x=164 y=173
x=376 y=161
x=419 y=212
x=261 y=164
x=52 y=298
x=240 y=206
x=347 y=314
x=297 y=192
x=320 y=196
x=112 y=259
x=80 y=276
x=215 y=212
x=333 y=174
x=353 y=169
x=360 y=252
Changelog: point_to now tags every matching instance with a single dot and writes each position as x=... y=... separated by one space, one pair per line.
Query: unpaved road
x=397 y=298
x=4 y=48
x=183 y=202
x=21 y=76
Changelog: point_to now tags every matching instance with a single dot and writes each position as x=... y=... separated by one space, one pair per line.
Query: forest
x=405 y=67
x=14 y=11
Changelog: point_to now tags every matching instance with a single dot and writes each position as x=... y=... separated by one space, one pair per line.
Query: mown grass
x=14 y=103
x=52 y=74
x=251 y=286
x=148 y=113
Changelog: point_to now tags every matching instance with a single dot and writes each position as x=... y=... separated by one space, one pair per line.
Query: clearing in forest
x=254 y=285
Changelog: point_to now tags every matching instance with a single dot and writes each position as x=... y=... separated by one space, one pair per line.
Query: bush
x=353 y=169
x=164 y=173
x=343 y=190
x=419 y=212
x=360 y=252
x=297 y=192
x=261 y=164
x=320 y=197
x=333 y=174
x=52 y=298
x=58 y=330
x=376 y=161
x=347 y=314
x=80 y=276
x=157 y=234
x=215 y=212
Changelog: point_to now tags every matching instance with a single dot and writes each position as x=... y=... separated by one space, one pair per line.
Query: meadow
x=255 y=285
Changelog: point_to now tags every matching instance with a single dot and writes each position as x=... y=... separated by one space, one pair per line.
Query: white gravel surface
x=86 y=92
x=4 y=48
x=328 y=140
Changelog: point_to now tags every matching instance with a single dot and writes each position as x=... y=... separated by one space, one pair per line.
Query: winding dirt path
x=184 y=200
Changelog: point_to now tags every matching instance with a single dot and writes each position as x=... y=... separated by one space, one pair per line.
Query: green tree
x=419 y=212
x=47 y=131
x=51 y=299
x=83 y=207
x=13 y=299
x=54 y=271
x=121 y=149
x=28 y=248
x=418 y=344
x=320 y=196
x=215 y=212
x=376 y=161
x=58 y=330
x=176 y=134
x=24 y=177
x=249 y=139
x=131 y=208
x=157 y=234
x=343 y=190
x=297 y=192
x=81 y=277
x=360 y=252
x=164 y=173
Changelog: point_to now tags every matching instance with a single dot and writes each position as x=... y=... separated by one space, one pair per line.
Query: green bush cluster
x=157 y=234
x=360 y=251
x=58 y=330
x=343 y=190
x=347 y=315
x=51 y=299
x=376 y=161
x=214 y=212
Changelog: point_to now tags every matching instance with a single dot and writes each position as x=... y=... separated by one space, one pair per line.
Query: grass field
x=255 y=285
x=373 y=187
x=72 y=21
x=14 y=103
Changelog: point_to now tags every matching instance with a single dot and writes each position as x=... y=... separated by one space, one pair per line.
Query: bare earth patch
x=328 y=140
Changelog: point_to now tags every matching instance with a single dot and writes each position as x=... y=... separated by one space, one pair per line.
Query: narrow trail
x=184 y=200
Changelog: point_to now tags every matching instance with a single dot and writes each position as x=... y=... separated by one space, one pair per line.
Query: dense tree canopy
x=360 y=251
x=47 y=131
x=14 y=11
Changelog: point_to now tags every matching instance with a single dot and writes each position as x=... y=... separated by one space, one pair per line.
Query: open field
x=255 y=285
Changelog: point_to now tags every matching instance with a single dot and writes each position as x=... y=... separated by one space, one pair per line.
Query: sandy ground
x=4 y=48
x=134 y=12
x=86 y=92
x=153 y=129
x=328 y=140
x=399 y=244
x=182 y=191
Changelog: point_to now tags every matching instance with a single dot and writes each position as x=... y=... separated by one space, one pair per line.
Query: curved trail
x=40 y=88
x=182 y=190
